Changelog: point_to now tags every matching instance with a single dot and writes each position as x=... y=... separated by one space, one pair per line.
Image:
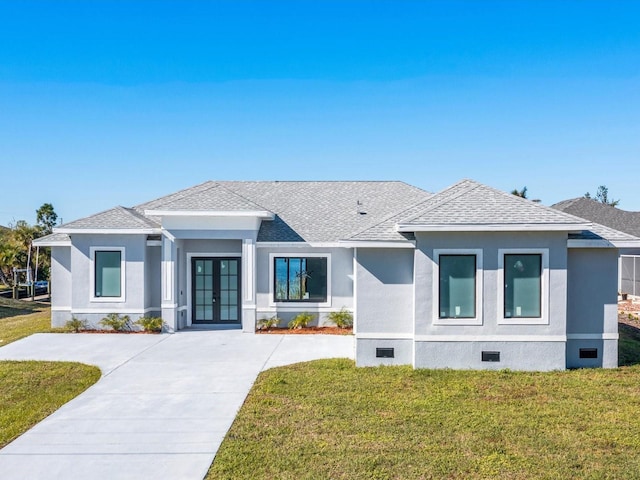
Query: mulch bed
x=308 y=331
x=130 y=332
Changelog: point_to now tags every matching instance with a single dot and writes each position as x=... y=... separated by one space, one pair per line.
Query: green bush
x=116 y=322
x=75 y=324
x=267 y=323
x=342 y=319
x=301 y=320
x=150 y=324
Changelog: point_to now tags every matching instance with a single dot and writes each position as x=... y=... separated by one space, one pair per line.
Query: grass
x=19 y=319
x=30 y=391
x=628 y=344
x=328 y=419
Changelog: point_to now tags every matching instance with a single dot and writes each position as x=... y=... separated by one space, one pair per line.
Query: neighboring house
x=468 y=278
x=622 y=220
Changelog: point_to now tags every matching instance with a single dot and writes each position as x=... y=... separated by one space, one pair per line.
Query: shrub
x=301 y=320
x=267 y=323
x=116 y=322
x=75 y=324
x=150 y=324
x=342 y=319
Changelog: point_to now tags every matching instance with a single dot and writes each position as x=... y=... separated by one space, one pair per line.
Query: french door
x=215 y=290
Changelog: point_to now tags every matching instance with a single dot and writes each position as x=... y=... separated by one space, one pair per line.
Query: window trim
x=92 y=275
x=295 y=303
x=478 y=319
x=544 y=287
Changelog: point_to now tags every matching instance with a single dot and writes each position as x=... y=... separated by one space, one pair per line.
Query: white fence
x=630 y=274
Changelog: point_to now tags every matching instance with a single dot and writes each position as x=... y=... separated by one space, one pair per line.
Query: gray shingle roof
x=305 y=211
x=209 y=196
x=325 y=211
x=622 y=220
x=469 y=203
x=115 y=218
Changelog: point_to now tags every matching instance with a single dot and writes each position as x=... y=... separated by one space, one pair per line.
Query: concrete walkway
x=162 y=407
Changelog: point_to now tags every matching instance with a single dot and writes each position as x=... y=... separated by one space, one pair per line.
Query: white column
x=248 y=285
x=169 y=277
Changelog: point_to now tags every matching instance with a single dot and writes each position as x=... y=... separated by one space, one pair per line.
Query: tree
x=602 y=196
x=520 y=193
x=46 y=218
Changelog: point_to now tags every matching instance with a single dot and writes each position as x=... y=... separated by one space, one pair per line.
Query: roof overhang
x=52 y=243
x=504 y=227
x=264 y=214
x=109 y=231
x=377 y=244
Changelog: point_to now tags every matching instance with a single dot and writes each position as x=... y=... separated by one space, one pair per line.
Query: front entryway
x=215 y=291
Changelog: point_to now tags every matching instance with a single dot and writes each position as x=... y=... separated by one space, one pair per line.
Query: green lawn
x=328 y=419
x=19 y=319
x=29 y=391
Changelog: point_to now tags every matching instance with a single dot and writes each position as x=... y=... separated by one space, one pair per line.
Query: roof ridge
x=242 y=196
x=389 y=217
x=466 y=189
x=177 y=195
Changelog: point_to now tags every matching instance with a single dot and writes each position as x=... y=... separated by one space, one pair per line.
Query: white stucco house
x=470 y=277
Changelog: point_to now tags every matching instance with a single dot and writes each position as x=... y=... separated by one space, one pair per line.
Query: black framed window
x=108 y=273
x=523 y=285
x=457 y=286
x=300 y=279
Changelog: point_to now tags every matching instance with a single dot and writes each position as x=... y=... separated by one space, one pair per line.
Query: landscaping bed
x=308 y=331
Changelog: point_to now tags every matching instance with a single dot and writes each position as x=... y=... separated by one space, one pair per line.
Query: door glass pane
x=233 y=267
x=208 y=282
x=199 y=313
x=224 y=313
x=208 y=267
x=199 y=281
x=107 y=274
x=224 y=282
x=233 y=313
x=523 y=285
x=208 y=312
x=457 y=286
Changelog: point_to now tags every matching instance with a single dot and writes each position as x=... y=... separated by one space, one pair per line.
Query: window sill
x=523 y=321
x=107 y=300
x=457 y=321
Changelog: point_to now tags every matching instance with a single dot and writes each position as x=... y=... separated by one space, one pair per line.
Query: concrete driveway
x=162 y=406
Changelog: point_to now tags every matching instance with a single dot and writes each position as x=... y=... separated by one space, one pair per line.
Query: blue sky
x=116 y=103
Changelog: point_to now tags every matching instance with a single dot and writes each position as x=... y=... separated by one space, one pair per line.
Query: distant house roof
x=472 y=206
x=304 y=211
x=612 y=217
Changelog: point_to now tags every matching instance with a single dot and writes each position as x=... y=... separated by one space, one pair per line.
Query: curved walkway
x=161 y=408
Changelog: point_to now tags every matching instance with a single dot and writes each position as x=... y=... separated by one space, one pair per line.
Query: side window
x=108 y=274
x=457 y=287
x=523 y=285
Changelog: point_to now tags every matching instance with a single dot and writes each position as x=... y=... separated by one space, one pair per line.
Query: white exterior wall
x=340 y=288
x=592 y=307
x=518 y=342
x=93 y=310
x=384 y=307
x=61 y=286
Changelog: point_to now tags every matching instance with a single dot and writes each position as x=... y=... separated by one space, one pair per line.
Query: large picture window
x=522 y=286
x=300 y=279
x=457 y=286
x=108 y=274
